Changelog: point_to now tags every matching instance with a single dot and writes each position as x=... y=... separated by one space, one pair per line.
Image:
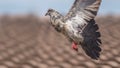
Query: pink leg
x=74 y=46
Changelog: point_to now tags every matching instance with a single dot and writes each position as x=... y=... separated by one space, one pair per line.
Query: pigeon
x=79 y=26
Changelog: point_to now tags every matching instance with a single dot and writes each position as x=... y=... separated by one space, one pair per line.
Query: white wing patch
x=76 y=22
x=74 y=26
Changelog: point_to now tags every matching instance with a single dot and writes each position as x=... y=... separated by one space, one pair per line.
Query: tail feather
x=91 y=42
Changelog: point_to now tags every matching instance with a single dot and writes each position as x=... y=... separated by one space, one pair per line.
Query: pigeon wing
x=87 y=9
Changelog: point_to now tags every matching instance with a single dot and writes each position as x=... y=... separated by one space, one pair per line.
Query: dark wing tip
x=91 y=43
x=92 y=49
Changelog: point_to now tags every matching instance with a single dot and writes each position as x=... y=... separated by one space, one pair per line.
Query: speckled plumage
x=79 y=25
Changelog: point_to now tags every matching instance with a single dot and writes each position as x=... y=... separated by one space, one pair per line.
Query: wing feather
x=87 y=9
x=91 y=43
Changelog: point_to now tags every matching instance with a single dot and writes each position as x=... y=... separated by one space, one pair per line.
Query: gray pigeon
x=79 y=26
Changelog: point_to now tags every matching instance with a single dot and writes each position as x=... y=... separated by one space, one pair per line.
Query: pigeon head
x=49 y=12
x=53 y=14
x=56 y=19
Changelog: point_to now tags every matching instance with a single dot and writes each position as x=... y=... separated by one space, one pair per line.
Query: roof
x=26 y=42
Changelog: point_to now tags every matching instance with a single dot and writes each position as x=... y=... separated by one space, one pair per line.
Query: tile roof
x=26 y=42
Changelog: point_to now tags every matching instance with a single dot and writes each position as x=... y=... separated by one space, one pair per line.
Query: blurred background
x=40 y=7
x=27 y=40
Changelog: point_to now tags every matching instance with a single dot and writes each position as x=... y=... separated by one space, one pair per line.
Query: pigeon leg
x=74 y=46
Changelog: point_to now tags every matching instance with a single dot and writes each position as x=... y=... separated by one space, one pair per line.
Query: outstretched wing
x=86 y=9
x=91 y=42
x=81 y=16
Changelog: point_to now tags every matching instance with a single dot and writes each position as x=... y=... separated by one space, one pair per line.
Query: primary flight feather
x=79 y=26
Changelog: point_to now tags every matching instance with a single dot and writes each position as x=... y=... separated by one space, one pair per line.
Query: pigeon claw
x=74 y=46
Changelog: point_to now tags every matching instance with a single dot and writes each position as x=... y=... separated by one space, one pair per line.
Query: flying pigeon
x=79 y=26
